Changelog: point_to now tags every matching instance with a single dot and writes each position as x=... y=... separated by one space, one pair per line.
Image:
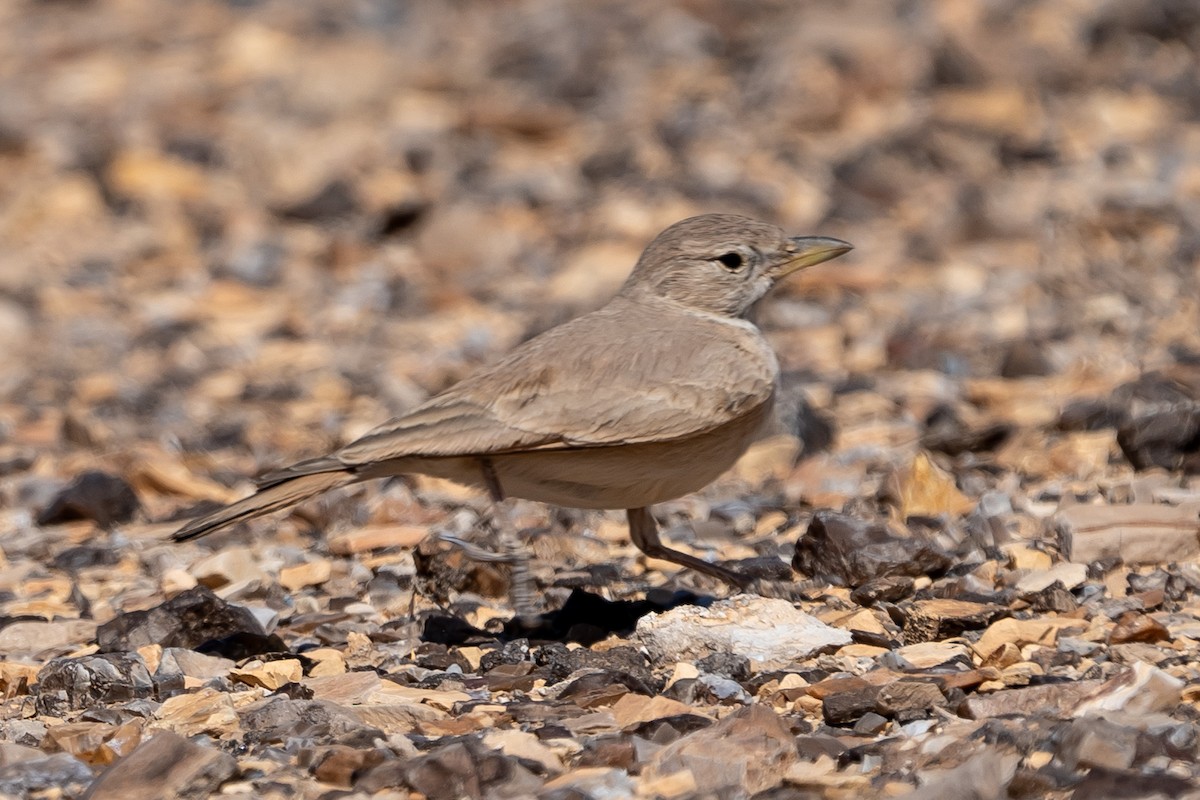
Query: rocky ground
x=238 y=234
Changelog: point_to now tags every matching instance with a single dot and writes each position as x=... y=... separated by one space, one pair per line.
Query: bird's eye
x=732 y=261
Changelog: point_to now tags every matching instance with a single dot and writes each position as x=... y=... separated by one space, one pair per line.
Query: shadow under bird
x=644 y=400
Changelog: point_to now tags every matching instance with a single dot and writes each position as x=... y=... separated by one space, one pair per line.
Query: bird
x=646 y=399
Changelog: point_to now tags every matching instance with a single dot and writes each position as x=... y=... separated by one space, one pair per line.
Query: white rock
x=1144 y=689
x=1070 y=573
x=768 y=631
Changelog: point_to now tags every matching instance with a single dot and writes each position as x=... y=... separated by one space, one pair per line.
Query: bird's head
x=723 y=263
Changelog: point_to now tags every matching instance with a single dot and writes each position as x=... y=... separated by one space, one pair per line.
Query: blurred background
x=237 y=233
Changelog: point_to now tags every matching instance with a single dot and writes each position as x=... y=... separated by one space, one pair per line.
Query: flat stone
x=1068 y=573
x=931 y=620
x=1054 y=699
x=848 y=551
x=377 y=537
x=767 y=631
x=1142 y=533
x=31 y=638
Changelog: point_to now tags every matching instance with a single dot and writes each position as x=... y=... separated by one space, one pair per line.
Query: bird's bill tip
x=807 y=251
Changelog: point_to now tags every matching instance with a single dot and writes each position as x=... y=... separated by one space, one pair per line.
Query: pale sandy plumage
x=644 y=400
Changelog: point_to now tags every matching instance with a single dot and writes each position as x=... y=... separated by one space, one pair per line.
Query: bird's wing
x=620 y=375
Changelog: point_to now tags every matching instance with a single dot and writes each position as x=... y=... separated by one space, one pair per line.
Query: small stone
x=270 y=675
x=310 y=573
x=889 y=590
x=907 y=700
x=166 y=765
x=57 y=775
x=928 y=656
x=377 y=537
x=105 y=499
x=846 y=705
x=923 y=489
x=226 y=567
x=205 y=711
x=768 y=631
x=870 y=724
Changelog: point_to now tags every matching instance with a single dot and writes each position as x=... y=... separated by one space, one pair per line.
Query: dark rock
x=1090 y=415
x=189 y=620
x=628 y=660
x=587 y=618
x=846 y=706
x=594 y=684
x=887 y=590
x=850 y=552
x=1167 y=438
x=728 y=665
x=466 y=769
x=514 y=652
x=166 y=765
x=1103 y=783
x=338 y=764
x=1026 y=359
x=609 y=751
x=105 y=499
x=62 y=774
x=336 y=200
x=908 y=700
x=1054 y=597
x=83 y=556
x=945 y=432
x=67 y=684
x=870 y=724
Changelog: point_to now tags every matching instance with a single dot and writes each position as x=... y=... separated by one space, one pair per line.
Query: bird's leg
x=643 y=530
x=511 y=550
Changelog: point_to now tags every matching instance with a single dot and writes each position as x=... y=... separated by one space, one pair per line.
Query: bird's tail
x=272 y=497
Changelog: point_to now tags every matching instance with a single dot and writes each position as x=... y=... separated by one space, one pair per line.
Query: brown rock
x=1054 y=699
x=165 y=766
x=1135 y=627
x=747 y=751
x=930 y=620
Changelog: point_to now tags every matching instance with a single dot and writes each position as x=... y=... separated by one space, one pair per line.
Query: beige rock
x=924 y=489
x=377 y=537
x=1142 y=533
x=310 y=573
x=16 y=678
x=1069 y=573
x=205 y=711
x=1042 y=630
x=269 y=675
x=634 y=709
x=237 y=565
x=34 y=638
x=522 y=744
